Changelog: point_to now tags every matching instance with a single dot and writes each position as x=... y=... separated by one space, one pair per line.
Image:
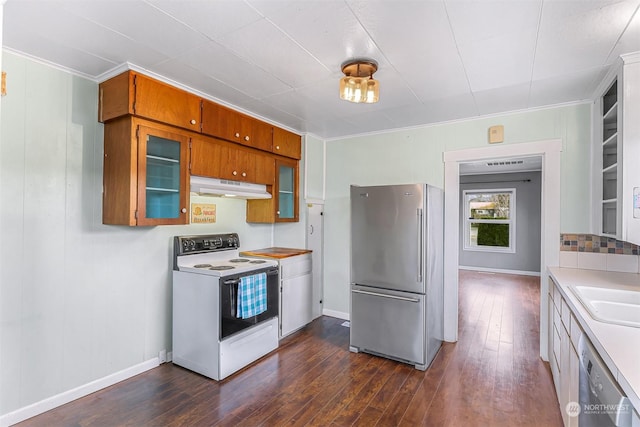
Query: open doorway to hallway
x=550 y=151
x=500 y=215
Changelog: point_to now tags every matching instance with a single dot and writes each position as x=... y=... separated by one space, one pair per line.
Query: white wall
x=80 y=300
x=415 y=155
x=315 y=168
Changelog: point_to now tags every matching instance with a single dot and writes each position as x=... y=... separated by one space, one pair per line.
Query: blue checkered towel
x=252 y=295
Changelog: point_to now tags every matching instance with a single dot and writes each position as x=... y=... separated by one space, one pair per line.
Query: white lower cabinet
x=564 y=333
x=296 y=293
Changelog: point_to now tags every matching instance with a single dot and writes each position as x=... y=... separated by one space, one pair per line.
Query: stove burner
x=257 y=261
x=202 y=266
x=221 y=267
x=239 y=260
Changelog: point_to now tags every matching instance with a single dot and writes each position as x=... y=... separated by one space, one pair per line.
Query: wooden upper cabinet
x=220 y=159
x=116 y=97
x=284 y=205
x=286 y=143
x=132 y=93
x=265 y=168
x=139 y=95
x=234 y=126
x=207 y=158
x=146 y=174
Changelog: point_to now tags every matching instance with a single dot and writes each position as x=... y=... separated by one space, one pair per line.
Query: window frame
x=511 y=221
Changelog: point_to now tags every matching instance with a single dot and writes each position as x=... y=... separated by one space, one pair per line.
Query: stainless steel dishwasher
x=602 y=401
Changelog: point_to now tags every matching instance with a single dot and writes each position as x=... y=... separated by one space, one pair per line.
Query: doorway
x=500 y=215
x=549 y=151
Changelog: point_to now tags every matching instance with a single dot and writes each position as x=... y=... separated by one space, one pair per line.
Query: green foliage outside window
x=493 y=235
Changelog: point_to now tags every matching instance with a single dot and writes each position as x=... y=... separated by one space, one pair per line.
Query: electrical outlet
x=162 y=356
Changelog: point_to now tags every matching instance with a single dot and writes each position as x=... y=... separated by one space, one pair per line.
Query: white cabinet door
x=565 y=373
x=296 y=304
x=315 y=242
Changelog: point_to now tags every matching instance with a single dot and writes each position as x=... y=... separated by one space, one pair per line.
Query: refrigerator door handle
x=376 y=294
x=420 y=245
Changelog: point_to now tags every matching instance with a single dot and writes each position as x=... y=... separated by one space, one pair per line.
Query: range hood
x=225 y=188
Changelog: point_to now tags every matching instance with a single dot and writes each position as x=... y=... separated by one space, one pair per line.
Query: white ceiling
x=439 y=60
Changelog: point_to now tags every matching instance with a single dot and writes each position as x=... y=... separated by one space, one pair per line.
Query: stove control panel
x=186 y=245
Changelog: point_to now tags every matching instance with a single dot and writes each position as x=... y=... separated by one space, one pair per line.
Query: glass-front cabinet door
x=162 y=177
x=287 y=190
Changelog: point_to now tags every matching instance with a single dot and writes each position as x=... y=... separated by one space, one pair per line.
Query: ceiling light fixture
x=358 y=84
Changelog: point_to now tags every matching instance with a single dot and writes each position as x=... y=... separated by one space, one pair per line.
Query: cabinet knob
x=244 y=174
x=277 y=147
x=278 y=212
x=183 y=210
x=237 y=135
x=234 y=173
x=193 y=121
x=246 y=138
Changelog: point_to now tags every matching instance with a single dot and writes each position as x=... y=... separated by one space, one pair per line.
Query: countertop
x=619 y=346
x=275 y=252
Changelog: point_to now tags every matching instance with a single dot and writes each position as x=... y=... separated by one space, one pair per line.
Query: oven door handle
x=270 y=272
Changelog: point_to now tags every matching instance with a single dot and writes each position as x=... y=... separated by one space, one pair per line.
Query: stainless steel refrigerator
x=396 y=272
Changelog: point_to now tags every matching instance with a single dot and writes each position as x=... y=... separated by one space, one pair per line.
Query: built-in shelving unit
x=610 y=160
x=616 y=150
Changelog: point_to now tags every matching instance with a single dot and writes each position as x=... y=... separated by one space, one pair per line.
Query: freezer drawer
x=388 y=323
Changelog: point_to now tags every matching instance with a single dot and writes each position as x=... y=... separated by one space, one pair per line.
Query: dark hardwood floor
x=492 y=376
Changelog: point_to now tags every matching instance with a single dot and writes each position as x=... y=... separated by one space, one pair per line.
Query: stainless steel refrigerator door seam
x=375 y=294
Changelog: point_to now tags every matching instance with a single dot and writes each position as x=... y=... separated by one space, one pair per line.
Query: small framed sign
x=203 y=213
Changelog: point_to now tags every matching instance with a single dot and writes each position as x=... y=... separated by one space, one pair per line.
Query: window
x=490 y=220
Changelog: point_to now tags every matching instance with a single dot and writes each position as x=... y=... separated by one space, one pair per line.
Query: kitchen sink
x=618 y=306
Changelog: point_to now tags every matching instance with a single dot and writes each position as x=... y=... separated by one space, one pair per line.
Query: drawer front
x=248 y=346
x=557 y=342
x=556 y=295
x=295 y=266
x=566 y=315
x=388 y=323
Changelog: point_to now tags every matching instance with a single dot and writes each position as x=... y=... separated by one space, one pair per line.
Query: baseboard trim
x=499 y=270
x=76 y=393
x=334 y=313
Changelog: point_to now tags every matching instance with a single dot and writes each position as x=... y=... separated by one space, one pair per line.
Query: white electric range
x=209 y=335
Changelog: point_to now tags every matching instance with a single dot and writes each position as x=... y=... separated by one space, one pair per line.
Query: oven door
x=230 y=323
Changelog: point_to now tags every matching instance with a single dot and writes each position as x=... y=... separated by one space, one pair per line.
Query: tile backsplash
x=591 y=252
x=596 y=244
